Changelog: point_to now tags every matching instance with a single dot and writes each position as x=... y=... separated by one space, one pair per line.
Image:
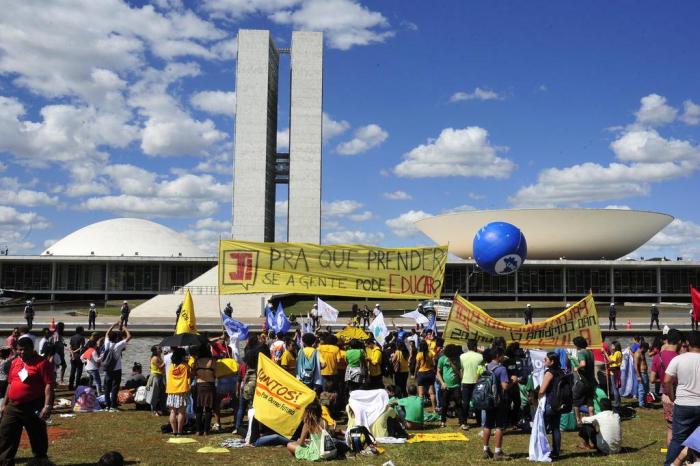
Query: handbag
x=149 y=389
x=328 y=450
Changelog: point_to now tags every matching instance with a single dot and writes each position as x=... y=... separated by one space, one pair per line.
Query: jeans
x=112 y=381
x=612 y=324
x=615 y=393
x=685 y=420
x=642 y=390
x=448 y=395
x=400 y=379
x=467 y=391
x=242 y=408
x=76 y=372
x=95 y=380
x=438 y=394
x=552 y=420
x=271 y=440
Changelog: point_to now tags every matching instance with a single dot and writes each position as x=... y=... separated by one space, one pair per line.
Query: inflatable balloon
x=499 y=248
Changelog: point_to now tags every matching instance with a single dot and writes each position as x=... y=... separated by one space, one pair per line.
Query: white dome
x=125 y=237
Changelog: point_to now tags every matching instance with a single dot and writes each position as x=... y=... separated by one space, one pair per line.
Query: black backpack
x=487 y=391
x=358 y=438
x=109 y=360
x=562 y=397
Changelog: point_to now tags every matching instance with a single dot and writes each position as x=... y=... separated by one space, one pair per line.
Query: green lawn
x=136 y=434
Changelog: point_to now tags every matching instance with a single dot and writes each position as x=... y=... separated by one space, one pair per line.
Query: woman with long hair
x=156 y=380
x=178 y=388
x=552 y=417
x=399 y=361
x=205 y=377
x=313 y=426
x=425 y=373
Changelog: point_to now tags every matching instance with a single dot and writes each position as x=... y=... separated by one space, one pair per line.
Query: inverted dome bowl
x=580 y=234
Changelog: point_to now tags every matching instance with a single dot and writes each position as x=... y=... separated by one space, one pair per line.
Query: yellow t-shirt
x=155 y=370
x=403 y=362
x=225 y=367
x=615 y=360
x=289 y=362
x=374 y=361
x=431 y=345
x=329 y=357
x=178 y=380
x=425 y=365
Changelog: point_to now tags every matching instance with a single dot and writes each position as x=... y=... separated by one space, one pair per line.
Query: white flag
x=537 y=361
x=327 y=312
x=379 y=328
x=417 y=316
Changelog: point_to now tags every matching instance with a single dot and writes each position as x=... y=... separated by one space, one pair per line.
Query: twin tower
x=258 y=167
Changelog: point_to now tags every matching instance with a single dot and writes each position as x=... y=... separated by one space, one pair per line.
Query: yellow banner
x=280 y=399
x=467 y=321
x=339 y=270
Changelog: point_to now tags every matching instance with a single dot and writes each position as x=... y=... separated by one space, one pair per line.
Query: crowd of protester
x=423 y=377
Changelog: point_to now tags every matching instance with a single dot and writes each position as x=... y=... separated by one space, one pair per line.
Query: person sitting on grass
x=177 y=388
x=602 y=432
x=312 y=428
x=412 y=409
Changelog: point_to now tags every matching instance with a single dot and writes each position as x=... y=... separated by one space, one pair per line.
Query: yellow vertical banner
x=339 y=270
x=468 y=322
x=187 y=322
x=280 y=399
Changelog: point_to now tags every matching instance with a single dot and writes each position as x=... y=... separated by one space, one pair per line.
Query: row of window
x=542 y=281
x=91 y=277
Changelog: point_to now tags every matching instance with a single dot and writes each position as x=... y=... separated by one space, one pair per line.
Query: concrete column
x=106 y=282
x=305 y=139
x=658 y=284
x=255 y=141
x=53 y=281
x=563 y=282
x=612 y=283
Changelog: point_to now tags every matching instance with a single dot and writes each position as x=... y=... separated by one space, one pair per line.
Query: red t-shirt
x=660 y=363
x=218 y=350
x=40 y=374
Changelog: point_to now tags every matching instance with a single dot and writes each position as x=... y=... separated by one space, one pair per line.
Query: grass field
x=82 y=439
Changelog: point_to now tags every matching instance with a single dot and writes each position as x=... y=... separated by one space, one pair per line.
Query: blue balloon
x=499 y=248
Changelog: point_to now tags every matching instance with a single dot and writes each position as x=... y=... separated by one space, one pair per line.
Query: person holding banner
x=552 y=417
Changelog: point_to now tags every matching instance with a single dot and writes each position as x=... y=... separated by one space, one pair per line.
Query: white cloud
x=281 y=209
x=456 y=152
x=340 y=208
x=477 y=94
x=283 y=140
x=475 y=196
x=345 y=23
x=654 y=111
x=398 y=196
x=332 y=128
x=211 y=223
x=206 y=232
x=691 y=113
x=216 y=102
x=403 y=225
x=3 y=166
x=16 y=227
x=239 y=9
x=50 y=242
x=589 y=182
x=617 y=207
x=12 y=192
x=366 y=138
x=649 y=146
x=681 y=238
x=352 y=237
x=459 y=208
x=150 y=207
x=362 y=217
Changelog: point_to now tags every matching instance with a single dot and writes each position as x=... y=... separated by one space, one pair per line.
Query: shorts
x=668 y=412
x=585 y=398
x=425 y=379
x=497 y=417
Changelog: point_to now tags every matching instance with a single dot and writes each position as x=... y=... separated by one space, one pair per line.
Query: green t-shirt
x=448 y=374
x=353 y=357
x=413 y=406
x=470 y=362
x=588 y=372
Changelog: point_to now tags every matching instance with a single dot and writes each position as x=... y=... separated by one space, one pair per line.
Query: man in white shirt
x=685 y=369
x=113 y=372
x=315 y=317
x=602 y=432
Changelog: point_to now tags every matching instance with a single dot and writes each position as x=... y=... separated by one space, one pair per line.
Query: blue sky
x=115 y=108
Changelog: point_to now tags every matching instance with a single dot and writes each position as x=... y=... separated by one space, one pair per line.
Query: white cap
x=92 y=304
x=653 y=305
x=665 y=330
x=612 y=304
x=568 y=304
x=125 y=301
x=528 y=305
x=376 y=305
x=315 y=305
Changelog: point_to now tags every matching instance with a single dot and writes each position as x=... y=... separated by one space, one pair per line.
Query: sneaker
x=443 y=424
x=500 y=456
x=464 y=427
x=216 y=427
x=488 y=454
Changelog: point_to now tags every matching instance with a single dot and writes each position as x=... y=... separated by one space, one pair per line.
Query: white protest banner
x=327 y=312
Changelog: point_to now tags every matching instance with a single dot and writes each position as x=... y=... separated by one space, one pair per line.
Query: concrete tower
x=257 y=165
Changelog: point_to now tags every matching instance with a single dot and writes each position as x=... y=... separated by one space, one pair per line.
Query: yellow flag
x=280 y=399
x=186 y=323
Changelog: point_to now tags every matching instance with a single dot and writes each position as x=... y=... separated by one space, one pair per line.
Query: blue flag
x=235 y=329
x=269 y=317
x=282 y=323
x=432 y=325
